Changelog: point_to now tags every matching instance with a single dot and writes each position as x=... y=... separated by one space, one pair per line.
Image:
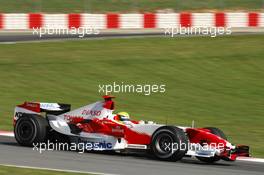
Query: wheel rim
x=164 y=145
x=26 y=130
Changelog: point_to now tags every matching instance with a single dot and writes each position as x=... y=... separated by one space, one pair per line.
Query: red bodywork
x=109 y=127
x=201 y=135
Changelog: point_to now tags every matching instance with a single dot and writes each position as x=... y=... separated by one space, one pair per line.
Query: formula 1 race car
x=96 y=128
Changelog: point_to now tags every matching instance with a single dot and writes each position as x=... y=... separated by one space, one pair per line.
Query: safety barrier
x=131 y=21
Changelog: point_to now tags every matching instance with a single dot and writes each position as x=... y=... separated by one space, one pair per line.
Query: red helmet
x=108 y=96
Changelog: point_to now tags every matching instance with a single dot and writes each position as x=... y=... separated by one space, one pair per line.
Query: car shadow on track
x=145 y=156
x=9 y=143
x=197 y=162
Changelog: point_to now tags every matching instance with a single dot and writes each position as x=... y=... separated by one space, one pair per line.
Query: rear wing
x=38 y=107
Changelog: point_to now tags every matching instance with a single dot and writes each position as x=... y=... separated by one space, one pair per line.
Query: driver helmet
x=123 y=116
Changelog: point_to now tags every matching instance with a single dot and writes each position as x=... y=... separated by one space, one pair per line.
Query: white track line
x=53 y=169
x=7 y=133
x=249 y=159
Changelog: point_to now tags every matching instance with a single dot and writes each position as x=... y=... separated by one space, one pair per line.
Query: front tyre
x=169 y=143
x=217 y=131
x=31 y=129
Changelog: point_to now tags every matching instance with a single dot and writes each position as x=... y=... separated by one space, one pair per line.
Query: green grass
x=214 y=81
x=96 y=6
x=7 y=170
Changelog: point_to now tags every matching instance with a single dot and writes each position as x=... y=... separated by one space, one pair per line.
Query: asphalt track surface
x=13 y=154
x=29 y=37
x=7 y=38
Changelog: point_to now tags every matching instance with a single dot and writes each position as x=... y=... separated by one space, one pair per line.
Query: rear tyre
x=220 y=133
x=31 y=129
x=169 y=143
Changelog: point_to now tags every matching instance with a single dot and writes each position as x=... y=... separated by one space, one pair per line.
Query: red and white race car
x=96 y=128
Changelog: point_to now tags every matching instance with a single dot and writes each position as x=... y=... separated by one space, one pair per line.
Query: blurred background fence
x=127 y=6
